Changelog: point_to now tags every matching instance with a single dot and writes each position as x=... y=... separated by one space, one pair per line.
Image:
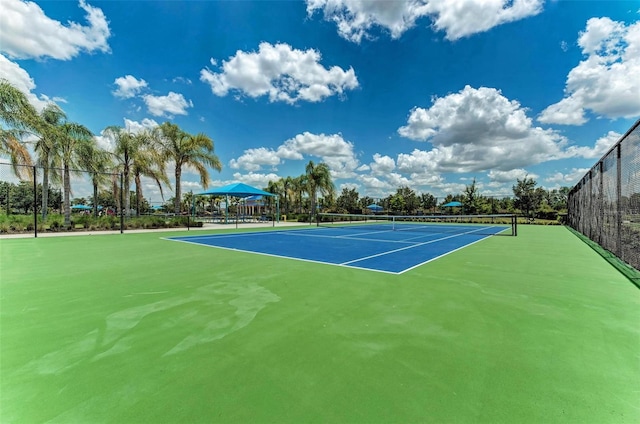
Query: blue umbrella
x=375 y=208
x=81 y=207
x=452 y=204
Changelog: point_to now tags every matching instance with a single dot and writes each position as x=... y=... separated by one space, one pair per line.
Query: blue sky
x=426 y=94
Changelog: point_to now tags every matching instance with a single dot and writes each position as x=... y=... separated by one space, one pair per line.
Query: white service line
x=411 y=247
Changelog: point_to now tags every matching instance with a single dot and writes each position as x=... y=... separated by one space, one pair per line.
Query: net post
x=514 y=225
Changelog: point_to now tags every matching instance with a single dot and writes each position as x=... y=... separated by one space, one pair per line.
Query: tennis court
x=133 y=328
x=376 y=245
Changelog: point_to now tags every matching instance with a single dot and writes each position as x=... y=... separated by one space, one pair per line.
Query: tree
x=97 y=162
x=70 y=148
x=52 y=119
x=348 y=200
x=298 y=187
x=428 y=202
x=17 y=118
x=273 y=187
x=187 y=150
x=318 y=180
x=365 y=201
x=147 y=161
x=404 y=201
x=397 y=203
x=527 y=198
x=287 y=186
x=470 y=201
x=125 y=148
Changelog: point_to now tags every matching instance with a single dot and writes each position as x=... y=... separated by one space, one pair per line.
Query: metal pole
x=35 y=204
x=619 y=200
x=121 y=203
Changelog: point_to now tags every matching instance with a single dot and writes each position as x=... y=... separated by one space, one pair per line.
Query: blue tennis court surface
x=381 y=250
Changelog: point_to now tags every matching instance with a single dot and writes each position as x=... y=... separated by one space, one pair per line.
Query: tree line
x=528 y=199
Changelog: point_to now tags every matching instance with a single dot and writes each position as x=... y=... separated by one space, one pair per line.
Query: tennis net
x=500 y=224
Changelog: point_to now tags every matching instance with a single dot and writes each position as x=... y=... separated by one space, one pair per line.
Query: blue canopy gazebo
x=453 y=204
x=242 y=191
x=375 y=208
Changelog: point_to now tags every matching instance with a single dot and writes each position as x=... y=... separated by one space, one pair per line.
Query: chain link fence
x=34 y=199
x=92 y=201
x=605 y=204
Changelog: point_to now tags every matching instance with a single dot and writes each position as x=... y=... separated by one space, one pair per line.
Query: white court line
x=444 y=254
x=411 y=247
x=344 y=264
x=283 y=257
x=350 y=238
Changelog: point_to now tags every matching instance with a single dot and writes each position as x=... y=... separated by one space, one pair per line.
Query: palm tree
x=147 y=161
x=126 y=146
x=274 y=187
x=287 y=185
x=298 y=187
x=52 y=117
x=318 y=179
x=98 y=162
x=187 y=150
x=70 y=147
x=19 y=118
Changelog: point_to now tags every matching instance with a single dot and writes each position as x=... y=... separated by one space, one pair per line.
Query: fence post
x=35 y=203
x=601 y=202
x=122 y=203
x=619 y=200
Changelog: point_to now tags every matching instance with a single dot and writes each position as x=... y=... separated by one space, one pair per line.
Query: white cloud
x=477 y=130
x=355 y=19
x=256 y=179
x=128 y=86
x=568 y=179
x=564 y=46
x=255 y=159
x=398 y=180
x=26 y=32
x=463 y=18
x=21 y=80
x=280 y=72
x=603 y=144
x=602 y=82
x=375 y=187
x=182 y=80
x=510 y=176
x=417 y=162
x=332 y=149
x=348 y=186
x=136 y=127
x=382 y=165
x=108 y=143
x=169 y=105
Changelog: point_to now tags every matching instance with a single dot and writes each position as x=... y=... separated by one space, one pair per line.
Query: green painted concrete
x=131 y=328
